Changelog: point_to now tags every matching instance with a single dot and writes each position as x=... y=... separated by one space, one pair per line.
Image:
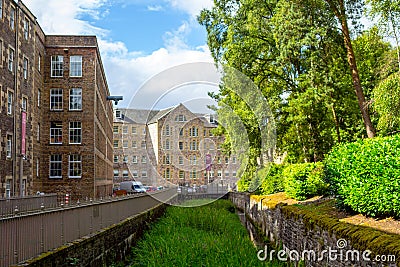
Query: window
x=56 y=166
x=75 y=99
x=57 y=66
x=118 y=114
x=134 y=130
x=167 y=174
x=125 y=129
x=26 y=28
x=180 y=132
x=144 y=174
x=181 y=145
x=75 y=63
x=39 y=62
x=181 y=175
x=125 y=173
x=56 y=99
x=75 y=132
x=193 y=145
x=226 y=174
x=134 y=144
x=166 y=159
x=134 y=174
x=11 y=59
x=24 y=104
x=1 y=9
x=116 y=143
x=12 y=17
x=167 y=130
x=56 y=132
x=167 y=145
x=193 y=174
x=234 y=160
x=125 y=144
x=38 y=132
x=125 y=159
x=194 y=131
x=180 y=160
x=1 y=46
x=39 y=95
x=116 y=174
x=234 y=174
x=116 y=129
x=134 y=159
x=143 y=145
x=144 y=159
x=75 y=166
x=25 y=68
x=193 y=160
x=226 y=160
x=9 y=146
x=180 y=118
x=219 y=174
x=37 y=167
x=144 y=131
x=116 y=159
x=10 y=100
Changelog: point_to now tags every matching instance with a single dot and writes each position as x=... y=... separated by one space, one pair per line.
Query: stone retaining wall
x=301 y=232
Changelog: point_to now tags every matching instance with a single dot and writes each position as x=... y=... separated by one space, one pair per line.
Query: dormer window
x=118 y=114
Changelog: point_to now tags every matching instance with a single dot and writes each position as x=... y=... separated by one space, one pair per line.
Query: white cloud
x=155 y=8
x=126 y=70
x=192 y=7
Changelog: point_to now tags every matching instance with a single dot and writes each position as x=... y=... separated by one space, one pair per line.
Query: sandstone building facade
x=177 y=142
x=55 y=119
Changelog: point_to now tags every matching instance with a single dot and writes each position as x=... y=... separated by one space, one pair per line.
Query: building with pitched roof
x=170 y=146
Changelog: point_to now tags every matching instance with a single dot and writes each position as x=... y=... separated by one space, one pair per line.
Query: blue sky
x=138 y=39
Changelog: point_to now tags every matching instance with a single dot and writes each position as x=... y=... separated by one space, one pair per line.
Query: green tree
x=387 y=12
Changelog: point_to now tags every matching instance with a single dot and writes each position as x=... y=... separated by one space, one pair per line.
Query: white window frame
x=125 y=173
x=9 y=146
x=125 y=159
x=56 y=99
x=55 y=166
x=116 y=143
x=125 y=144
x=134 y=144
x=115 y=129
x=75 y=132
x=143 y=145
x=24 y=104
x=12 y=17
x=11 y=57
x=56 y=133
x=10 y=102
x=75 y=166
x=144 y=159
x=39 y=95
x=134 y=130
x=75 y=99
x=25 y=68
x=75 y=66
x=116 y=173
x=26 y=28
x=134 y=159
x=180 y=160
x=135 y=174
x=116 y=159
x=144 y=174
x=57 y=66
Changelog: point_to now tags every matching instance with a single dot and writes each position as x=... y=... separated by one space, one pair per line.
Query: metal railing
x=28 y=235
x=15 y=205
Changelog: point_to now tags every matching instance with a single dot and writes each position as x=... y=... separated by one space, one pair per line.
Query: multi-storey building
x=55 y=119
x=178 y=142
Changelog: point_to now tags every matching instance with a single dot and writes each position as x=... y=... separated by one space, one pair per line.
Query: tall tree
x=344 y=10
x=388 y=13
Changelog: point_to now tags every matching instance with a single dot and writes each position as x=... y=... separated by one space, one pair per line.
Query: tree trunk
x=356 y=79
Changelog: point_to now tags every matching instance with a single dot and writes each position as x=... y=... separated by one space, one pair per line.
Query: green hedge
x=365 y=175
x=272 y=180
x=304 y=180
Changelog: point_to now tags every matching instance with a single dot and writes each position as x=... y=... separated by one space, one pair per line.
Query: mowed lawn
x=204 y=235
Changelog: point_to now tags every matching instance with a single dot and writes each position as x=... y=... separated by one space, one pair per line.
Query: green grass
x=208 y=235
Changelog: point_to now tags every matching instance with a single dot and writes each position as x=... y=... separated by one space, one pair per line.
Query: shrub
x=272 y=181
x=365 y=175
x=304 y=180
